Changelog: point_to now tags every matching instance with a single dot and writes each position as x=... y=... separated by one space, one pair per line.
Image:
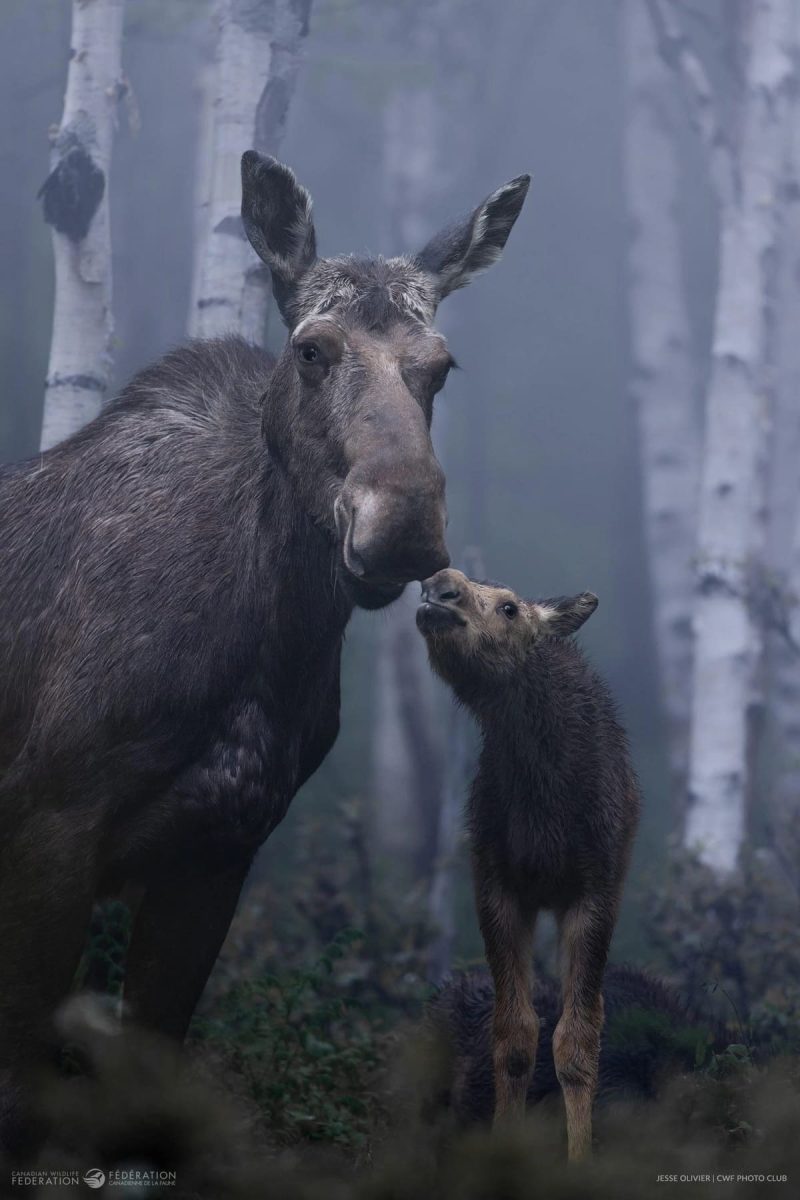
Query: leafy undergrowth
x=304 y=1083
x=310 y=1056
x=732 y=944
x=333 y=1122
x=306 y=1077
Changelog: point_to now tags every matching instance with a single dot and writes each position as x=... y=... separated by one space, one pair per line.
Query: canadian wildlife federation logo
x=133 y=1179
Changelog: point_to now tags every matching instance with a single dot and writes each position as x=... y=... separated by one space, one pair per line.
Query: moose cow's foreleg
x=585 y=935
x=177 y=934
x=46 y=892
x=508 y=940
x=46 y=887
x=226 y=804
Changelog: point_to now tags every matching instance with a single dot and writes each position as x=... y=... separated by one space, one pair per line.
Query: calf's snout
x=445 y=587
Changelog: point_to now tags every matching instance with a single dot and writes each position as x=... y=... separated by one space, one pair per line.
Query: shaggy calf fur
x=552 y=815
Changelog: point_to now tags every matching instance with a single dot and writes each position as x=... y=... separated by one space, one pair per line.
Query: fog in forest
x=405 y=115
x=537 y=430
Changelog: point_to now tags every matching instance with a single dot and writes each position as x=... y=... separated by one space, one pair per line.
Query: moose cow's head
x=349 y=406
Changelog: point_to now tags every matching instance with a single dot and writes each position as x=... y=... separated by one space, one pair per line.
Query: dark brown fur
x=175 y=582
x=552 y=815
x=460 y=1018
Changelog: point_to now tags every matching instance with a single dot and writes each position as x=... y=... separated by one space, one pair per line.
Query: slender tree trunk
x=75 y=197
x=426 y=143
x=459 y=764
x=422 y=155
x=246 y=100
x=662 y=374
x=785 y=698
x=784 y=506
x=443 y=880
x=406 y=771
x=728 y=637
x=205 y=91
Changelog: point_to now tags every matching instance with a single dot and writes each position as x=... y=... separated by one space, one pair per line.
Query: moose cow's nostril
x=451 y=594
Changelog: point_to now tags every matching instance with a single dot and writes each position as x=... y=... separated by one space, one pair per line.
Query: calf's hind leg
x=585 y=935
x=508 y=938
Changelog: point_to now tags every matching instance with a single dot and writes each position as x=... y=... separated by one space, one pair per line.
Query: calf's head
x=349 y=406
x=484 y=631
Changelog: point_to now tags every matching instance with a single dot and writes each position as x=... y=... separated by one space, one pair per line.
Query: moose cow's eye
x=509 y=610
x=440 y=376
x=308 y=352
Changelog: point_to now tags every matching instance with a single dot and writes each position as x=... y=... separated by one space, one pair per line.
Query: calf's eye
x=508 y=609
x=308 y=352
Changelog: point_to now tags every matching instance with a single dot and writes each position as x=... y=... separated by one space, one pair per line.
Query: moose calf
x=552 y=815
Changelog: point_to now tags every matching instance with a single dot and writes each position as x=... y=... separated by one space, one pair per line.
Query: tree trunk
x=728 y=638
x=246 y=100
x=459 y=766
x=75 y=197
x=662 y=383
x=406 y=773
x=783 y=557
x=441 y=906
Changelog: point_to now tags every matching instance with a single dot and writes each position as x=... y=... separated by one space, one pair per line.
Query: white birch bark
x=204 y=157
x=784 y=506
x=289 y=29
x=785 y=693
x=728 y=639
x=662 y=382
x=247 y=95
x=80 y=352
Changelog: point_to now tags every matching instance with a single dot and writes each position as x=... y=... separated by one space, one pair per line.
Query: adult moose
x=175 y=581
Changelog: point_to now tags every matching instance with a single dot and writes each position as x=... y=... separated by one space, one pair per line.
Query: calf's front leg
x=508 y=939
x=585 y=935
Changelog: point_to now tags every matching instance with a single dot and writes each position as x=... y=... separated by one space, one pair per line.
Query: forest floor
x=312 y=1069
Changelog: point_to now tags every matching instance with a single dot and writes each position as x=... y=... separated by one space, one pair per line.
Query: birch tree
x=425 y=142
x=783 y=555
x=246 y=94
x=75 y=200
x=785 y=693
x=662 y=383
x=407 y=771
x=458 y=770
x=746 y=155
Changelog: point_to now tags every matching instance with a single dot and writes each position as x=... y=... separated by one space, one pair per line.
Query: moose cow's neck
x=303 y=597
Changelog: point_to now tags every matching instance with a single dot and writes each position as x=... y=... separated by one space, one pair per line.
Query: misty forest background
x=626 y=418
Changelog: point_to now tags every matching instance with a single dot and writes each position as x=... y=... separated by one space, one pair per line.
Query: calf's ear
x=472 y=244
x=276 y=214
x=566 y=614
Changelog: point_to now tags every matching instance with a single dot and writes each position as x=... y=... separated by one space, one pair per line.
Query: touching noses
x=446 y=587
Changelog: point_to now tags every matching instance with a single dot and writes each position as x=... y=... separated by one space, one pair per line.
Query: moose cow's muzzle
x=392 y=528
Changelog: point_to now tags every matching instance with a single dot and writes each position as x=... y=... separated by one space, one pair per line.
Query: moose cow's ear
x=565 y=615
x=474 y=243
x=276 y=214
